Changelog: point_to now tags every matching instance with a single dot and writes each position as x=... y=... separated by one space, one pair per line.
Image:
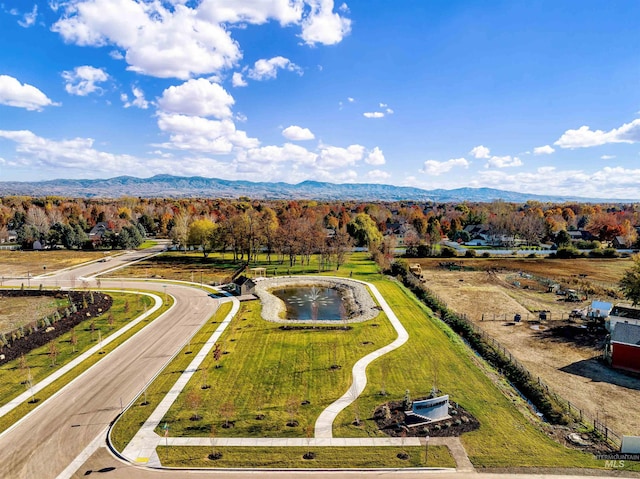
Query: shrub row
x=528 y=386
x=83 y=306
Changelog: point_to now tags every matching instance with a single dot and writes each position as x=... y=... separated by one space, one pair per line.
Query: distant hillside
x=180 y=187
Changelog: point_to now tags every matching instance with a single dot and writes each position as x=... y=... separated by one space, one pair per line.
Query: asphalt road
x=46 y=442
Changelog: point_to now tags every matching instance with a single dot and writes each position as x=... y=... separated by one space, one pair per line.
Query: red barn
x=625 y=347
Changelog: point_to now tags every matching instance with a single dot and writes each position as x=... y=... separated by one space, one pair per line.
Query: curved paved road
x=44 y=443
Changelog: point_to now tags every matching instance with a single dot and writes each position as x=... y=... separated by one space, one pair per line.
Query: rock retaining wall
x=360 y=304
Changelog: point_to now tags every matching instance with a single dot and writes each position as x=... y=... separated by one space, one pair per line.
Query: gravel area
x=361 y=306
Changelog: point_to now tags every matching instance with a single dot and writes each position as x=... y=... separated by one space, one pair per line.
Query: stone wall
x=360 y=304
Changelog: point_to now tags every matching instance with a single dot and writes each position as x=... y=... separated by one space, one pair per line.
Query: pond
x=312 y=303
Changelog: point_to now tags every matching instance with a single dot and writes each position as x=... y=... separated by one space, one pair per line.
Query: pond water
x=312 y=303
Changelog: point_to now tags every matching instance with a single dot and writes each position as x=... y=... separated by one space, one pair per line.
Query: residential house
x=622 y=314
x=98 y=231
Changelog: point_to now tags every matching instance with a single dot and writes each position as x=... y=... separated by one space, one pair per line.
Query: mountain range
x=168 y=186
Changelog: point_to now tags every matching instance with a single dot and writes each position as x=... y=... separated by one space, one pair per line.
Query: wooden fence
x=580 y=415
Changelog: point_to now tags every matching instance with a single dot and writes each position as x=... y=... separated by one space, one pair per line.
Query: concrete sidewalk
x=324 y=423
x=142 y=448
x=36 y=388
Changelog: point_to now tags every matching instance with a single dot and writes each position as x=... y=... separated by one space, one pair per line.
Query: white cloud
x=197 y=98
x=296 y=133
x=373 y=114
x=194 y=133
x=116 y=55
x=584 y=137
x=138 y=99
x=543 y=150
x=378 y=176
x=237 y=80
x=78 y=153
x=624 y=183
x=480 y=152
x=286 y=12
x=607 y=157
x=279 y=154
x=264 y=69
x=350 y=99
x=324 y=26
x=375 y=157
x=83 y=80
x=503 y=162
x=336 y=157
x=436 y=168
x=161 y=40
x=389 y=111
x=21 y=95
x=29 y=19
x=185 y=39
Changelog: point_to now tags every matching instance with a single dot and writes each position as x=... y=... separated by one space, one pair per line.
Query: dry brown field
x=15 y=312
x=179 y=266
x=561 y=352
x=20 y=263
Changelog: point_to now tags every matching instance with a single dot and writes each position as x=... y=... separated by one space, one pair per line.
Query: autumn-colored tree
x=202 y=234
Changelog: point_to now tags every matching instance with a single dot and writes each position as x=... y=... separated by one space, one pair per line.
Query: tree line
x=294 y=230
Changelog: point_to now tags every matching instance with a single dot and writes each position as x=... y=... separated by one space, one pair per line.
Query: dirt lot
x=17 y=311
x=559 y=351
x=20 y=263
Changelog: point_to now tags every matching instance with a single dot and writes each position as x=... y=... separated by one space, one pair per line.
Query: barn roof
x=626 y=333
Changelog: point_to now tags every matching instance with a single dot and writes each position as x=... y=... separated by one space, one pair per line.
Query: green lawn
x=292 y=457
x=283 y=375
x=38 y=363
x=270 y=372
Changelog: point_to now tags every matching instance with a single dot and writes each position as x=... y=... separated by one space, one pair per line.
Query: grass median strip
x=135 y=416
x=126 y=307
x=292 y=457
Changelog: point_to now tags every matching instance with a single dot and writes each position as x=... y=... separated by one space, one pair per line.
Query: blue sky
x=537 y=96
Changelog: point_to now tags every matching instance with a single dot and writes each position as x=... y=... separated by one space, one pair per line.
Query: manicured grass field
x=292 y=457
x=285 y=376
x=271 y=372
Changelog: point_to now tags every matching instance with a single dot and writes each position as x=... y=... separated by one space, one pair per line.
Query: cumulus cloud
x=373 y=114
x=543 y=150
x=77 y=153
x=480 y=152
x=264 y=69
x=336 y=157
x=436 y=168
x=624 y=183
x=375 y=157
x=158 y=40
x=203 y=135
x=607 y=157
x=279 y=154
x=503 y=162
x=237 y=80
x=83 y=80
x=250 y=11
x=378 y=176
x=29 y=19
x=296 y=133
x=22 y=95
x=184 y=39
x=138 y=99
x=197 y=98
x=585 y=137
x=323 y=25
